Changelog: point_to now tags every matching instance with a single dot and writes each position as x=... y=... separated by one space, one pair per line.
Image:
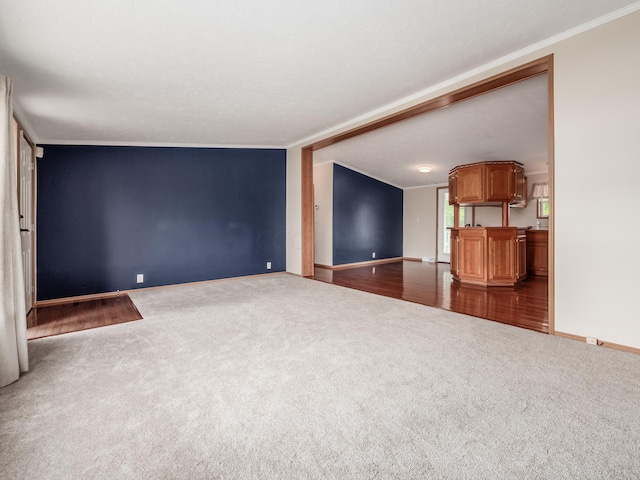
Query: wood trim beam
x=438 y=219
x=307 y=212
x=551 y=170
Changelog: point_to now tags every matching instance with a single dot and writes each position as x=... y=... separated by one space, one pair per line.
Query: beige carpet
x=282 y=377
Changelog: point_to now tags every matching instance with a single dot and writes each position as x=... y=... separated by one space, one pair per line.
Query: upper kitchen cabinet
x=487 y=182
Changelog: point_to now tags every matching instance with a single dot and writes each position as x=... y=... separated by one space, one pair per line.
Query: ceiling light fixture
x=424 y=169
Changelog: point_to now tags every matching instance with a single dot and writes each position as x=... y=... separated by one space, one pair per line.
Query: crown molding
x=156 y=144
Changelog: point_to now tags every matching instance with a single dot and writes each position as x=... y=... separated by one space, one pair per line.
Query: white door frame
x=442 y=243
x=26 y=184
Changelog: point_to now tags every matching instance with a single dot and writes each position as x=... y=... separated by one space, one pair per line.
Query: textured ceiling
x=248 y=72
x=507 y=124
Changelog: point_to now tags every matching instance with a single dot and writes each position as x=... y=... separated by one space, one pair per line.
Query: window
x=541 y=194
x=543 y=207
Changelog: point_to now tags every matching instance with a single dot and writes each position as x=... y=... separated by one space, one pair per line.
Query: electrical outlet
x=140 y=278
x=373 y=255
x=592 y=340
x=268 y=265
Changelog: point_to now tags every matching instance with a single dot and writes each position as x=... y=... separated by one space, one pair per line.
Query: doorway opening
x=445 y=223
x=532 y=69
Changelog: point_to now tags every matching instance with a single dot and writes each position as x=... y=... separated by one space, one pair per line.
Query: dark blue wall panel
x=176 y=215
x=367 y=218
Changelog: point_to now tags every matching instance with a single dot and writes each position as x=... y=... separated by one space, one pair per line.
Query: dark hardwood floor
x=74 y=316
x=525 y=305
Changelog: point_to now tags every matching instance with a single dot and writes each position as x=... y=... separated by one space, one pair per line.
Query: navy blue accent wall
x=367 y=217
x=176 y=215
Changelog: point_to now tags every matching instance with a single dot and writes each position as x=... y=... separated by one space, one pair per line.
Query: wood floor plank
x=525 y=305
x=80 y=315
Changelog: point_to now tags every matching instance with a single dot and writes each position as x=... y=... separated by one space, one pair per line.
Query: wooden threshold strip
x=78 y=298
x=358 y=264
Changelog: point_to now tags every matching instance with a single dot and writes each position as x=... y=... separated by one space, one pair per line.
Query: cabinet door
x=521 y=257
x=470 y=184
x=502 y=256
x=453 y=188
x=454 y=252
x=537 y=252
x=520 y=190
x=500 y=183
x=471 y=254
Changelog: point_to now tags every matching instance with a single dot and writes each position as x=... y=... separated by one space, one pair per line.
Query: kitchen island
x=489 y=256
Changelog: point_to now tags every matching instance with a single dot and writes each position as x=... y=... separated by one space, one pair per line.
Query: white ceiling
x=249 y=72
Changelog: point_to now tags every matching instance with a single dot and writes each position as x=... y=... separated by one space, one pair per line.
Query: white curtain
x=14 y=358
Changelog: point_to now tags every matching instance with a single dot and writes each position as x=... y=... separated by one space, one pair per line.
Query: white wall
x=489 y=216
x=419 y=222
x=597 y=168
x=294 y=211
x=597 y=103
x=323 y=213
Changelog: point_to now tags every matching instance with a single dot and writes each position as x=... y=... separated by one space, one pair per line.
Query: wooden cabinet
x=488 y=256
x=487 y=182
x=538 y=252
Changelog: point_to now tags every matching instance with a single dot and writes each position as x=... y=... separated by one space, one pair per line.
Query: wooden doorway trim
x=307 y=212
x=551 y=173
x=438 y=246
x=528 y=70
